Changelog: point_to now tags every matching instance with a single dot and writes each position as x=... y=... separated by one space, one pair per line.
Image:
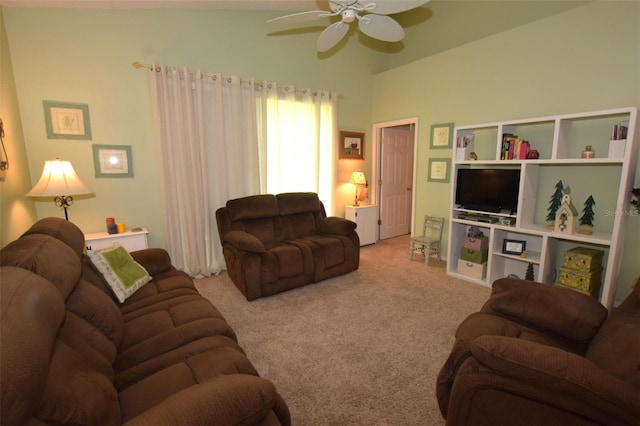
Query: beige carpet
x=361 y=349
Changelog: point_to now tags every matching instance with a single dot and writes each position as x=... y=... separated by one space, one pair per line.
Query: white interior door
x=396 y=180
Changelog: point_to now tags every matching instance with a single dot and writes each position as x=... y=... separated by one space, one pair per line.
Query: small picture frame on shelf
x=515 y=247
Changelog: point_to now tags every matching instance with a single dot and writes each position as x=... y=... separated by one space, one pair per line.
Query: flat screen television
x=488 y=190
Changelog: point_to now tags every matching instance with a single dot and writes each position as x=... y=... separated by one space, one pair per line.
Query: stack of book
x=514 y=148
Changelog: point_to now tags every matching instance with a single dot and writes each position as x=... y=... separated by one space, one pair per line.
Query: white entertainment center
x=560 y=142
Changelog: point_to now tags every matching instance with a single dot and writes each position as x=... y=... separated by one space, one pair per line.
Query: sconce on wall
x=358 y=178
x=60 y=181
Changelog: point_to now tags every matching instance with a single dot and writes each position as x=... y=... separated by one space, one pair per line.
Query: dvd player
x=478 y=218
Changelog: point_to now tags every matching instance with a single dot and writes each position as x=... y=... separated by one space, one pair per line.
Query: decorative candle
x=121 y=228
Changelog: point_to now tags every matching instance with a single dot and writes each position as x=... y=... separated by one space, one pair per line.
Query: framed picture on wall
x=439 y=169
x=112 y=161
x=351 y=145
x=66 y=120
x=441 y=136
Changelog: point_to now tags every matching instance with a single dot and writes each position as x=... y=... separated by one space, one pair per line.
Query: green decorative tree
x=556 y=201
x=529 y=274
x=587 y=212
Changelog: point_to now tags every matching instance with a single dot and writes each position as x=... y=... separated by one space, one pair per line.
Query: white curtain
x=206 y=141
x=297 y=134
x=221 y=137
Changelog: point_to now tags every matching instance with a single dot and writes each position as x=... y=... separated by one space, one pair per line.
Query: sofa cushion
x=298 y=202
x=62 y=230
x=32 y=312
x=253 y=207
x=123 y=274
x=574 y=316
x=93 y=327
x=616 y=347
x=76 y=393
x=35 y=253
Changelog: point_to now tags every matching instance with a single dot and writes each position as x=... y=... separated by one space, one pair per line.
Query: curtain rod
x=138 y=65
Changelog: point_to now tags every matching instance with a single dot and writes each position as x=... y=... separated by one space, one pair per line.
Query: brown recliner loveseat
x=274 y=243
x=71 y=355
x=542 y=355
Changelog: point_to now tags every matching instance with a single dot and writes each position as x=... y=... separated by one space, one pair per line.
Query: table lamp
x=357 y=178
x=60 y=181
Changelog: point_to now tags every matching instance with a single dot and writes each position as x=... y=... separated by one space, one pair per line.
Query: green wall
x=584 y=59
x=85 y=56
x=17 y=212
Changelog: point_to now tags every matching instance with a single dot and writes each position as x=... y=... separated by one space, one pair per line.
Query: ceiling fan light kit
x=371 y=16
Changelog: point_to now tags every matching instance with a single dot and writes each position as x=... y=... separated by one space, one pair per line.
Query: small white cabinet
x=130 y=240
x=366 y=217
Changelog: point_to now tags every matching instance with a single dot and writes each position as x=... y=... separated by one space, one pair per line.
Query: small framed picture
x=516 y=247
x=351 y=145
x=65 y=120
x=439 y=169
x=112 y=161
x=441 y=136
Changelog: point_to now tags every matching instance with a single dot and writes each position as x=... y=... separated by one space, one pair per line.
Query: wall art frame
x=112 y=161
x=351 y=145
x=67 y=120
x=441 y=136
x=439 y=170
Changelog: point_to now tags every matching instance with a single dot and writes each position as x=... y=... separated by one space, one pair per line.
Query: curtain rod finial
x=138 y=64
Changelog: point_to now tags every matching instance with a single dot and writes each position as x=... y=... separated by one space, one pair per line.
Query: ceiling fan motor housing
x=348 y=16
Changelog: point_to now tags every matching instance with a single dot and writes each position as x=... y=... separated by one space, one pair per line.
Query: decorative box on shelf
x=472 y=255
x=464 y=150
x=583 y=259
x=587 y=282
x=481 y=243
x=472 y=269
x=617 y=148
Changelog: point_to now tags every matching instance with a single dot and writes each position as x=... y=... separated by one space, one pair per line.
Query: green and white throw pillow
x=123 y=274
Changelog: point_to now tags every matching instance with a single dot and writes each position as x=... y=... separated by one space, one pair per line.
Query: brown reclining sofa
x=71 y=355
x=544 y=355
x=274 y=243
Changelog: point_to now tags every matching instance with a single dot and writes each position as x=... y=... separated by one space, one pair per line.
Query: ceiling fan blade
x=299 y=18
x=332 y=35
x=381 y=27
x=388 y=7
x=337 y=5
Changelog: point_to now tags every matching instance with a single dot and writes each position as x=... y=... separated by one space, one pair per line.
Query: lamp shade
x=358 y=178
x=58 y=179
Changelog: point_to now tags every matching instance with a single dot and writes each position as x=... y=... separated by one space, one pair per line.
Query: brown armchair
x=542 y=355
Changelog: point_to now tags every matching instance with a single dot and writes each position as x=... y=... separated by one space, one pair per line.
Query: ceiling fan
x=371 y=16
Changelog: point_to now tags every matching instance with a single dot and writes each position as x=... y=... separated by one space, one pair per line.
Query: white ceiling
x=205 y=4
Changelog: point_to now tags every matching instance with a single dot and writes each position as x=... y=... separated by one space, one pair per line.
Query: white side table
x=130 y=240
x=366 y=217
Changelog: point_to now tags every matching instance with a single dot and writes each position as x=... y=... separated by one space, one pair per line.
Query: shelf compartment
x=581 y=179
x=575 y=133
x=484 y=140
x=539 y=134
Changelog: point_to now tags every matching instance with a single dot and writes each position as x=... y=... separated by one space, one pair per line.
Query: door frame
x=376 y=160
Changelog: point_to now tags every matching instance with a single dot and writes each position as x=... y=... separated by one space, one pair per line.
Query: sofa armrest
x=559 y=378
x=226 y=400
x=336 y=226
x=563 y=311
x=154 y=260
x=244 y=241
